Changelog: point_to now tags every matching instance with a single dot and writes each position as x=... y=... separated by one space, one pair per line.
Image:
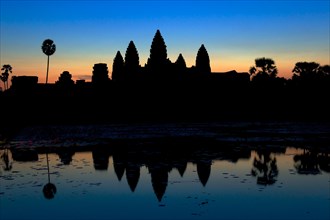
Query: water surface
x=163 y=177
x=281 y=183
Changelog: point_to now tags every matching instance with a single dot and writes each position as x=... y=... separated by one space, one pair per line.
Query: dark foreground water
x=169 y=177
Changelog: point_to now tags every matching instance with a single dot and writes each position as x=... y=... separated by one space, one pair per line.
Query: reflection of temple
x=129 y=162
x=119 y=165
x=24 y=154
x=203 y=161
x=204 y=170
x=101 y=159
x=180 y=165
x=65 y=155
x=159 y=179
x=132 y=175
x=178 y=160
x=161 y=159
x=158 y=170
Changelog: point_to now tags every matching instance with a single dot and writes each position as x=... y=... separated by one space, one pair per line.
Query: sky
x=234 y=33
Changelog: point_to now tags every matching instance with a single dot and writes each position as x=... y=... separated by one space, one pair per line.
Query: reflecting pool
x=281 y=183
x=158 y=179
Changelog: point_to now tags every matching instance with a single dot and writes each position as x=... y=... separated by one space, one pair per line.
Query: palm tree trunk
x=47 y=70
x=4 y=86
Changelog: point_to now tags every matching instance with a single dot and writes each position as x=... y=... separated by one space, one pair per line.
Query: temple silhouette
x=163 y=90
x=158 y=70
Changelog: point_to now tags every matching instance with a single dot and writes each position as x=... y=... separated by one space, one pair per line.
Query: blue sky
x=233 y=32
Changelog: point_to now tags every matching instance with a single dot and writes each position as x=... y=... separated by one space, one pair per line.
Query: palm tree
x=48 y=47
x=5 y=75
x=3 y=80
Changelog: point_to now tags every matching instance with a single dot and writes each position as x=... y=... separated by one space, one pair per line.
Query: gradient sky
x=233 y=32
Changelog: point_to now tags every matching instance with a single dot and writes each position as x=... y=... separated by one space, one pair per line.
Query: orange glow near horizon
x=85 y=72
x=82 y=69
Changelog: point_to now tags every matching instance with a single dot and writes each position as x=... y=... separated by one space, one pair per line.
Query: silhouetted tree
x=306 y=71
x=324 y=74
x=203 y=61
x=4 y=80
x=132 y=63
x=158 y=61
x=264 y=68
x=118 y=67
x=311 y=81
x=325 y=71
x=48 y=47
x=5 y=75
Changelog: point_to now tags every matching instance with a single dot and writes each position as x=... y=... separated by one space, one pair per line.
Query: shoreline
x=184 y=133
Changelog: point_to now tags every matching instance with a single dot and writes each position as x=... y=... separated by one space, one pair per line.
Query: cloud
x=84 y=77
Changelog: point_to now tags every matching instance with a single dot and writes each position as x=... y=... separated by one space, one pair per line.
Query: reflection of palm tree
x=265 y=168
x=48 y=47
x=5 y=158
x=49 y=189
